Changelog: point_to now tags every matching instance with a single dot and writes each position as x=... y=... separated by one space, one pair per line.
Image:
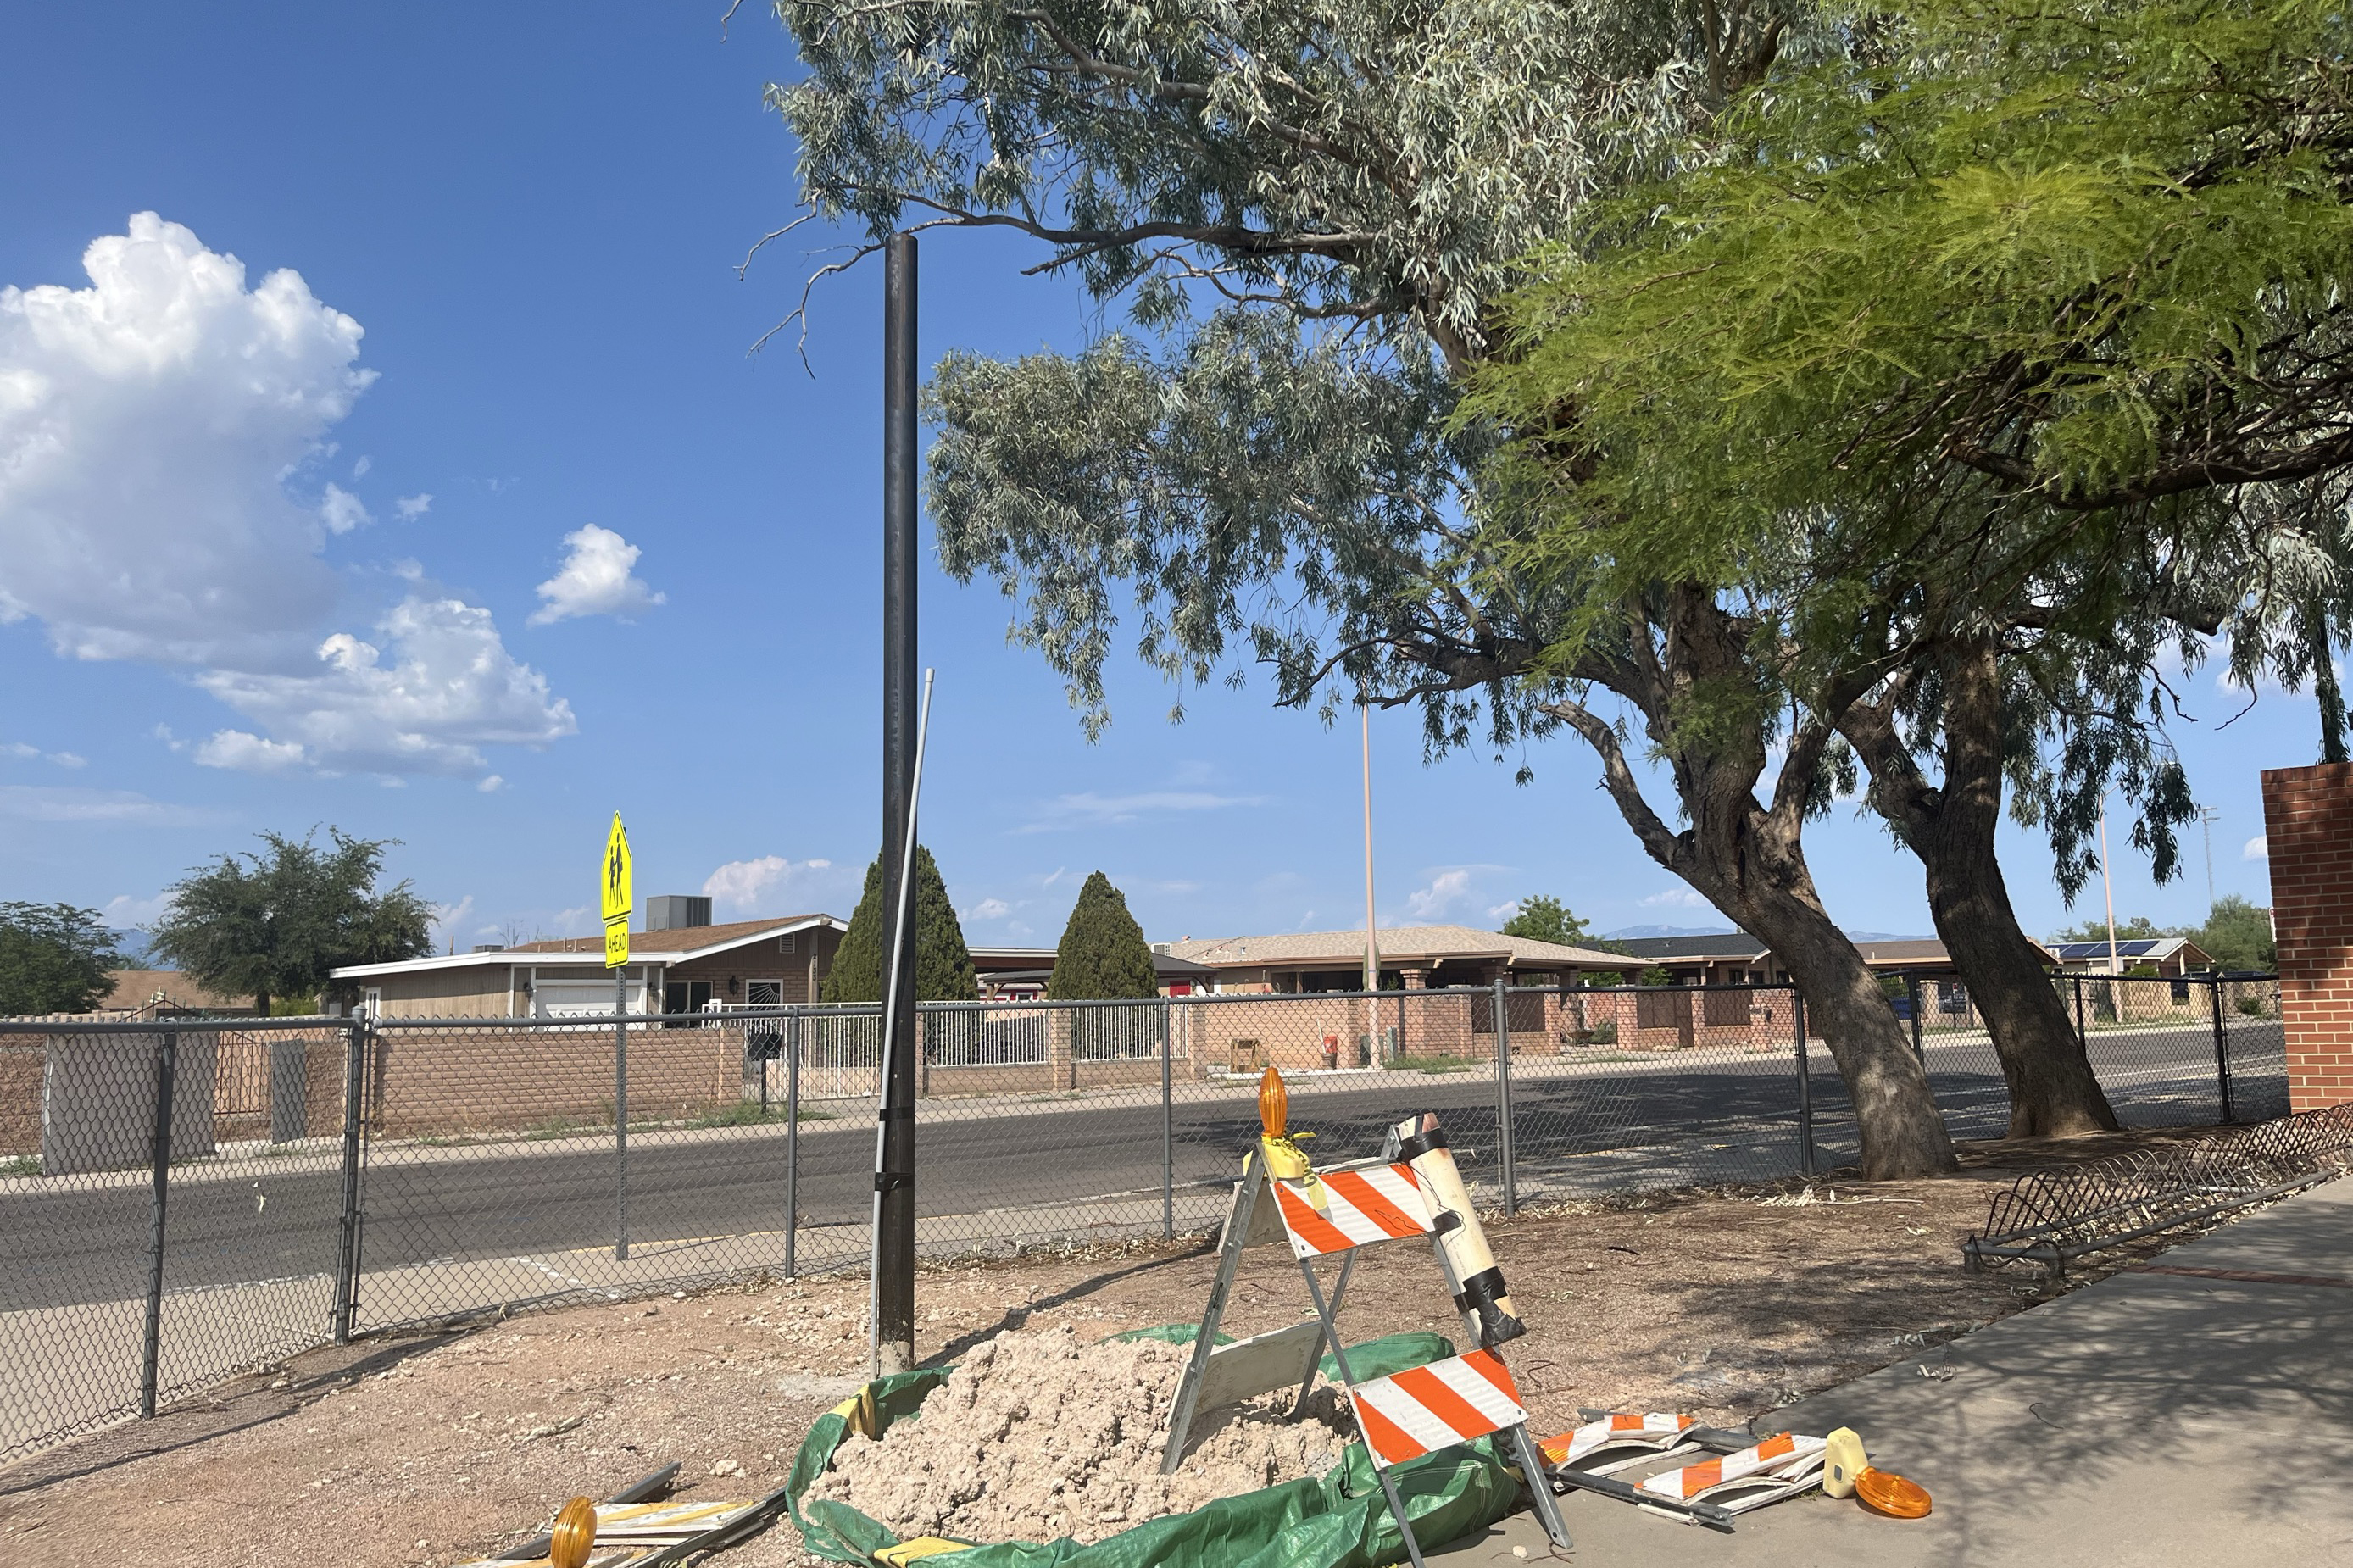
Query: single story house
x=164 y=994
x=1412 y=958
x=674 y=969
x=2169 y=955
x=1026 y=973
x=1732 y=958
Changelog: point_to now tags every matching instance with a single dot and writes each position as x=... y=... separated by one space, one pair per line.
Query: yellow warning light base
x=1843 y=1460
x=1882 y=1491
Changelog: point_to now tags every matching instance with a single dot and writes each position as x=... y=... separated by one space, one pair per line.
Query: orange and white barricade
x=1779 y=1467
x=1338 y=1212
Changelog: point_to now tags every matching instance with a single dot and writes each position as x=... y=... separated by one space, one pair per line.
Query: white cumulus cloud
x=449 y=689
x=340 y=510
x=744 y=885
x=411 y=507
x=147 y=424
x=597 y=578
x=1678 y=898
x=989 y=909
x=151 y=426
x=241 y=750
x=2258 y=849
x=1444 y=891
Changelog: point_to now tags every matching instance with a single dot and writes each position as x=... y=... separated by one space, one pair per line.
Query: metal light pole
x=2108 y=890
x=2206 y=818
x=893 y=1303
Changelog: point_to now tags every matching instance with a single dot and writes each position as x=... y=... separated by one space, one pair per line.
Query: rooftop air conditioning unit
x=675 y=911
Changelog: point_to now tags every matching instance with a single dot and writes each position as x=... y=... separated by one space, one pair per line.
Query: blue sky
x=488 y=342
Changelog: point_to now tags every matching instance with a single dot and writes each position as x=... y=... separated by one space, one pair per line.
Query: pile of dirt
x=1038 y=1435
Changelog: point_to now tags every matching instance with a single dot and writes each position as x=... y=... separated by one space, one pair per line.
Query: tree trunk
x=261 y=1004
x=2052 y=1092
x=1749 y=859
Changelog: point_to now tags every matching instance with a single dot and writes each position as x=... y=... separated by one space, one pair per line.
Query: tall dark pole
x=894 y=1179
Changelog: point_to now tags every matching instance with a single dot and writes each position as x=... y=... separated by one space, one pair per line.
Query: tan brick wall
x=20 y=1095
x=434 y=1084
x=2308 y=825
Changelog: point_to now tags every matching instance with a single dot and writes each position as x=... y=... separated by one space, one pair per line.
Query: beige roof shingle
x=1397 y=944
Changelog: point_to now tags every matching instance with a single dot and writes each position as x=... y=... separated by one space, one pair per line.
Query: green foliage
x=1654 y=975
x=273 y=924
x=2138 y=928
x=2018 y=251
x=1542 y=918
x=2237 y=935
x=53 y=958
x=943 y=971
x=1103 y=955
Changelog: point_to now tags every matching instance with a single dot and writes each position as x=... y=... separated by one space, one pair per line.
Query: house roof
x=135 y=988
x=1904 y=951
x=1397 y=944
x=679 y=943
x=2143 y=949
x=1730 y=944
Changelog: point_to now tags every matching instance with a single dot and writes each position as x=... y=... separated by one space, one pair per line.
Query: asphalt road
x=279 y=1217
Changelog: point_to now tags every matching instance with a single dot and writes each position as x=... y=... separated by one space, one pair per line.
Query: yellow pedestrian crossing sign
x=617 y=897
x=617 y=902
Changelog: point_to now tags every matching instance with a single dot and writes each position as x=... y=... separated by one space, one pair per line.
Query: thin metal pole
x=891 y=1302
x=1805 y=1086
x=892 y=1305
x=347 y=1252
x=1503 y=1141
x=2222 y=1050
x=151 y=1346
x=1167 y=1124
x=793 y=1146
x=2082 y=1039
x=620 y=1116
x=1911 y=984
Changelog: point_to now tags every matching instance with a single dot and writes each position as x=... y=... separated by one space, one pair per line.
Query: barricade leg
x=1348 y=1382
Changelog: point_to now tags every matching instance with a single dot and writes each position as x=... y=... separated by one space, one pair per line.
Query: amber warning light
x=1274 y=1103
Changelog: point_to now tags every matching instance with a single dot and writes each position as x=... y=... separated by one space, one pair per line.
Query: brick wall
x=432 y=1084
x=20 y=1095
x=2308 y=825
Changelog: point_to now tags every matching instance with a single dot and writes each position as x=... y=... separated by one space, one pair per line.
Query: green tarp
x=1338 y=1520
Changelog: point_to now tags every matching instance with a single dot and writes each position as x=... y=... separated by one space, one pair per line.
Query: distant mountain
x=1631 y=933
x=1886 y=936
x=132 y=943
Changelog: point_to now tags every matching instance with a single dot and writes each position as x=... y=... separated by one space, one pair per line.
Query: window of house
x=764 y=993
x=685 y=996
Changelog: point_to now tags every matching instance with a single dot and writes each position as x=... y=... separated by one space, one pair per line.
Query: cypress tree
x=944 y=969
x=1103 y=955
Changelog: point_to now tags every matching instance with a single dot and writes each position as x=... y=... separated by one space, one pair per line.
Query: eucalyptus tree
x=1311 y=210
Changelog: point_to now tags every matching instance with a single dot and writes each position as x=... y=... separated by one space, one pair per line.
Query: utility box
x=675 y=911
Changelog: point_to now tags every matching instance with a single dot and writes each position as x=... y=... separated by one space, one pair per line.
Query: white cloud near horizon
x=1440 y=896
x=1678 y=898
x=123 y=910
x=52 y=803
x=1088 y=809
x=2257 y=848
x=597 y=578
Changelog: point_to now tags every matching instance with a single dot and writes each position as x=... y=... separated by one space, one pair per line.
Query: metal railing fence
x=183 y=1200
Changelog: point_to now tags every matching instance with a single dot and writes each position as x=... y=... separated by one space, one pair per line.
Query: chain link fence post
x=1805 y=1086
x=2082 y=1039
x=151 y=1354
x=1911 y=987
x=1503 y=1147
x=347 y=1248
x=2222 y=1050
x=791 y=1144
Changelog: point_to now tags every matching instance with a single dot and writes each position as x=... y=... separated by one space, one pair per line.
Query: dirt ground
x=1725 y=1303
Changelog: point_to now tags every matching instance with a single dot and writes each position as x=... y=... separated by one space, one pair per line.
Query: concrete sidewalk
x=2152 y=1418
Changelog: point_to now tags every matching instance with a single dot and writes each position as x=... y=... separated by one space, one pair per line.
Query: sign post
x=617 y=902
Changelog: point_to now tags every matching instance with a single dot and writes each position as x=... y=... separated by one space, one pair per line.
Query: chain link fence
x=179 y=1202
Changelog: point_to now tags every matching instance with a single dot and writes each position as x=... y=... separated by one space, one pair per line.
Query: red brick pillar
x=2308 y=825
